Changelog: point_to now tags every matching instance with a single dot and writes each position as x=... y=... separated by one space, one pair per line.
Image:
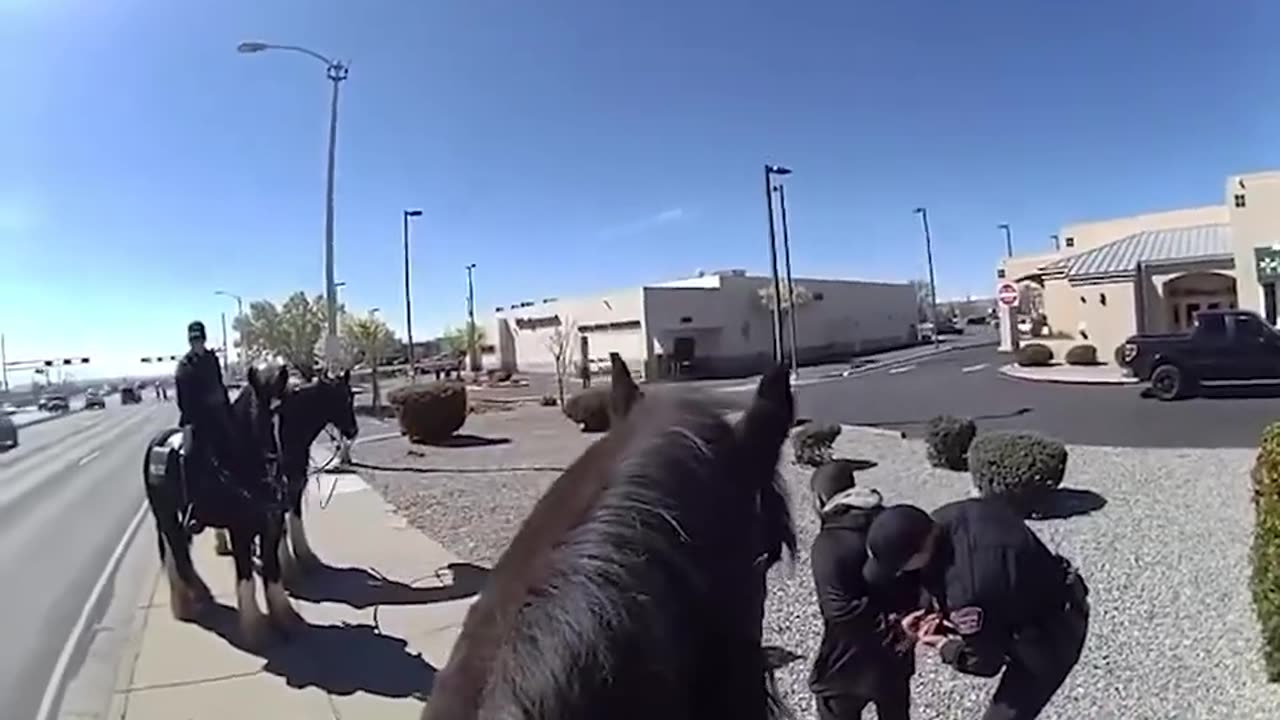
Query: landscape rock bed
x=1173 y=631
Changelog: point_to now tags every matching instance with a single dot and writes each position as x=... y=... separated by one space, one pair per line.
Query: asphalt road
x=966 y=383
x=67 y=495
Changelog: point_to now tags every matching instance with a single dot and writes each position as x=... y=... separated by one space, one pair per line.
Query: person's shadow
x=339 y=659
x=363 y=588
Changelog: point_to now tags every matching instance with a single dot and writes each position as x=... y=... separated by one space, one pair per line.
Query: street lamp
x=1057 y=244
x=336 y=71
x=933 y=289
x=1008 y=238
x=791 y=293
x=408 y=303
x=239 y=327
x=769 y=172
x=473 y=359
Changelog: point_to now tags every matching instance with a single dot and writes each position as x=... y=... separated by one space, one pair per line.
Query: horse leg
x=221 y=545
x=187 y=592
x=297 y=533
x=254 y=630
x=281 y=611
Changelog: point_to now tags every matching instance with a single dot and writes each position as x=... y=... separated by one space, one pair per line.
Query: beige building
x=715 y=324
x=1152 y=273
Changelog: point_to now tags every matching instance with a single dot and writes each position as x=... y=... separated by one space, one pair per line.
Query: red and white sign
x=1007 y=294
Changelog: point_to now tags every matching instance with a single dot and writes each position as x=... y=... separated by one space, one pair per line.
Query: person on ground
x=1005 y=601
x=203 y=407
x=864 y=658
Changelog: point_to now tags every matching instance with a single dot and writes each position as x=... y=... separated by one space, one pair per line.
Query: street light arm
x=258 y=47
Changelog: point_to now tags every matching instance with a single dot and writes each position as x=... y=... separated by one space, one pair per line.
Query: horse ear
x=281 y=380
x=772 y=412
x=623 y=391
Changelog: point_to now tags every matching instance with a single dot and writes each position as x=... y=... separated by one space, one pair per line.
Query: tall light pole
x=1008 y=238
x=933 y=289
x=226 y=355
x=1057 y=244
x=472 y=355
x=769 y=172
x=239 y=329
x=791 y=293
x=336 y=71
x=408 y=302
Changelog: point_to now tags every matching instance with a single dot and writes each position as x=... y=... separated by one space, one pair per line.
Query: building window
x=1000 y=273
x=1239 y=200
x=1102 y=298
x=536 y=323
x=686 y=320
x=1071 y=242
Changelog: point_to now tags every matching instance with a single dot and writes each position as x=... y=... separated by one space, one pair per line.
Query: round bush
x=812 y=443
x=549 y=401
x=947 y=440
x=1021 y=467
x=430 y=412
x=590 y=409
x=1034 y=355
x=1083 y=354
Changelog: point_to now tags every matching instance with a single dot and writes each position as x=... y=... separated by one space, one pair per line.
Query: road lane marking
x=88 y=457
x=57 y=680
x=897 y=371
x=973 y=368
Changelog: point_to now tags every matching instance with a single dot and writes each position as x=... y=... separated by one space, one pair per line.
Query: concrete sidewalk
x=1072 y=374
x=382 y=616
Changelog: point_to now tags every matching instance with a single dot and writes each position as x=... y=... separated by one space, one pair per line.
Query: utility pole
x=226 y=368
x=933 y=288
x=769 y=171
x=408 y=302
x=791 y=293
x=473 y=358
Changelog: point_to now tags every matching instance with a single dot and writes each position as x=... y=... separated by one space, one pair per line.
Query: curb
x=1015 y=372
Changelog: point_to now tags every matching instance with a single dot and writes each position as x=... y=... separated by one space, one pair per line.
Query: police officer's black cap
x=195 y=330
x=897 y=533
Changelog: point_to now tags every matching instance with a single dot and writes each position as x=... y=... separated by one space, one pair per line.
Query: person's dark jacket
x=862 y=648
x=202 y=397
x=993 y=579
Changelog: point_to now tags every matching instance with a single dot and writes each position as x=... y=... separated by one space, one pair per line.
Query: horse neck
x=301 y=418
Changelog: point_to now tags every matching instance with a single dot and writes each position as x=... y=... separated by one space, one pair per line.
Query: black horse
x=245 y=497
x=305 y=412
x=635 y=587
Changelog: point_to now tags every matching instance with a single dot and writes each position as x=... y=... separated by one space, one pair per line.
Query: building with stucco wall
x=1152 y=273
x=715 y=324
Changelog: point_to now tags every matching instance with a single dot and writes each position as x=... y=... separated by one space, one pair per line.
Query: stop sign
x=1007 y=294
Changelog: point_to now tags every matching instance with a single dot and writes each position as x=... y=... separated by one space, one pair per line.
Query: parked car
x=8 y=409
x=947 y=326
x=8 y=432
x=93 y=400
x=57 y=403
x=1223 y=346
x=130 y=395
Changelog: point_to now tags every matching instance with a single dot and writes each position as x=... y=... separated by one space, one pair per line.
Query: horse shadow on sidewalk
x=363 y=588
x=340 y=659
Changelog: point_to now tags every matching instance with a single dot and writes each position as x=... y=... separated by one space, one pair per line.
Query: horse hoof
x=255 y=631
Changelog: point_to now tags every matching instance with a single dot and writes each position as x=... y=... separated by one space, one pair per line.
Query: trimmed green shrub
x=1023 y=468
x=947 y=441
x=1034 y=355
x=812 y=443
x=590 y=409
x=1083 y=354
x=430 y=412
x=1264 y=581
x=549 y=401
x=498 y=374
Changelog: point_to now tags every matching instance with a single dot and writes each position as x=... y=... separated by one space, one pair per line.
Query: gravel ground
x=1173 y=633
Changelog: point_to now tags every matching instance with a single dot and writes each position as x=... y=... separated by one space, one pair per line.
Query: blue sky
x=573 y=146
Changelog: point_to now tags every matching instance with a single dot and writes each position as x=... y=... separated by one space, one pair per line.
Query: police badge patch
x=967 y=620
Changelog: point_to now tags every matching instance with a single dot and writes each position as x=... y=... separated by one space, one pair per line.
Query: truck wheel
x=1168 y=383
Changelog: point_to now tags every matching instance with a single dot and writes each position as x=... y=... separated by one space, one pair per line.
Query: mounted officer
x=205 y=409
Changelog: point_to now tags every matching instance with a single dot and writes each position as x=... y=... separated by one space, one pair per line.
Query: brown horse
x=635 y=588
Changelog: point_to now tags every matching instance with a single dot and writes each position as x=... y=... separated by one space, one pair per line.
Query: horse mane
x=643 y=508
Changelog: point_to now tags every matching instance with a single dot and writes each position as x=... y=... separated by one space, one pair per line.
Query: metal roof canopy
x=1120 y=258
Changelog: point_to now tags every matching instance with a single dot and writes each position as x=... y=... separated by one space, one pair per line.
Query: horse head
x=254 y=412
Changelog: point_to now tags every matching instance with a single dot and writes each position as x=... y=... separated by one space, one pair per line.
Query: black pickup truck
x=1224 y=346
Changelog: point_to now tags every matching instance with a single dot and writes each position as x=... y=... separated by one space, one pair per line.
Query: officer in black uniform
x=1005 y=602
x=864 y=657
x=205 y=411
